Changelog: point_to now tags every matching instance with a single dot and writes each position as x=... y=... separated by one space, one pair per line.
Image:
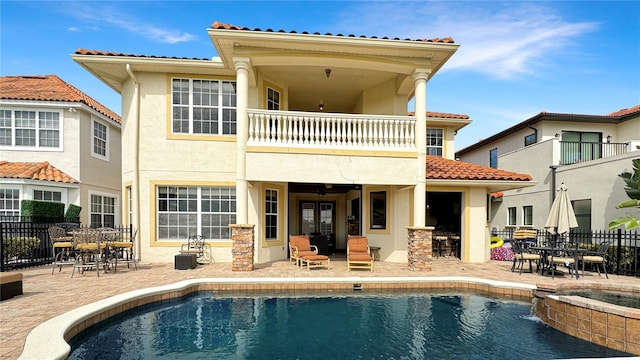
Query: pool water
x=364 y=326
x=611 y=297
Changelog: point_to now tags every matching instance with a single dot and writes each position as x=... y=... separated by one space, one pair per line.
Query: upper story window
x=100 y=140
x=580 y=146
x=435 y=141
x=203 y=106
x=493 y=158
x=530 y=139
x=273 y=99
x=30 y=129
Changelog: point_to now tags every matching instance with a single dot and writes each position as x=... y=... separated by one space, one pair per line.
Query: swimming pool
x=428 y=324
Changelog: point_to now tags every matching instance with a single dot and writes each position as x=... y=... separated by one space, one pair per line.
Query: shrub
x=19 y=245
x=73 y=213
x=34 y=210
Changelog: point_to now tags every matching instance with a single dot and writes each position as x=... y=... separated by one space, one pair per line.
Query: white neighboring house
x=585 y=152
x=58 y=144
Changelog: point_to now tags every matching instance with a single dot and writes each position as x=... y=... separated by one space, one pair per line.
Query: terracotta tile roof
x=442 y=115
x=444 y=169
x=34 y=171
x=110 y=53
x=497 y=195
x=626 y=111
x=221 y=26
x=49 y=88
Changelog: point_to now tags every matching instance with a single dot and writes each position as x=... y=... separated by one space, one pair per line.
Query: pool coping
x=49 y=339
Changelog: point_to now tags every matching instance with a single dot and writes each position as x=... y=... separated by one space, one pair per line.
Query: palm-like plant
x=632 y=188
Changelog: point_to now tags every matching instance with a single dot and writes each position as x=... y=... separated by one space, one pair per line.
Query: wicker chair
x=359 y=253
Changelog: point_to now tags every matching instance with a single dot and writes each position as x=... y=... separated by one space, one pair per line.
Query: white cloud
x=108 y=16
x=504 y=40
x=73 y=28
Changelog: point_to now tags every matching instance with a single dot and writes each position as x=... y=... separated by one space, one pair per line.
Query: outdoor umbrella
x=561 y=219
x=561 y=216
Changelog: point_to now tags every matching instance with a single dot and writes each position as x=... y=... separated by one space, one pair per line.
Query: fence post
x=619 y=250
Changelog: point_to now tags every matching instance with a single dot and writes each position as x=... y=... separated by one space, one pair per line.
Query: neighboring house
x=293 y=133
x=585 y=152
x=58 y=144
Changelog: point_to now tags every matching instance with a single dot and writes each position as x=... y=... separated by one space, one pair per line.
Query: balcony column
x=242 y=66
x=420 y=77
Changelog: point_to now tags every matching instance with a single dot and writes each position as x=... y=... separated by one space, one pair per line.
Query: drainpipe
x=535 y=131
x=553 y=182
x=135 y=193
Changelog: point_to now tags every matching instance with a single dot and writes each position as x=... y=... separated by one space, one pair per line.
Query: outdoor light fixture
x=321 y=106
x=327 y=72
x=608 y=138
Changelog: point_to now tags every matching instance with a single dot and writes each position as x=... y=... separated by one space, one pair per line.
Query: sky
x=515 y=60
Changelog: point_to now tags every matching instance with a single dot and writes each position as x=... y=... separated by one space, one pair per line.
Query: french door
x=317 y=217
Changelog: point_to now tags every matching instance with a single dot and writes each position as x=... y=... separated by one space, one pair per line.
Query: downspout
x=136 y=162
x=535 y=131
x=553 y=182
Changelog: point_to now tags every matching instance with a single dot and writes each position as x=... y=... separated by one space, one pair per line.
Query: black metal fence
x=624 y=251
x=27 y=243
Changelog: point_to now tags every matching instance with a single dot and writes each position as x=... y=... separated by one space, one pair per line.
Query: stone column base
x=419 y=248
x=242 y=236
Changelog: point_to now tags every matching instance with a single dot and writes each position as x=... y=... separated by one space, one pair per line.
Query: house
x=290 y=132
x=58 y=144
x=585 y=152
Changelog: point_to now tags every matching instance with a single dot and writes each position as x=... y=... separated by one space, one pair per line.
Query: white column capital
x=242 y=63
x=421 y=74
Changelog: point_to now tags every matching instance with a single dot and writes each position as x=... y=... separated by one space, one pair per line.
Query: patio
x=46 y=295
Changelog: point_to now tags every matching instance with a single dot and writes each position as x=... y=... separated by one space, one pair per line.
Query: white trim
x=116 y=205
x=36 y=148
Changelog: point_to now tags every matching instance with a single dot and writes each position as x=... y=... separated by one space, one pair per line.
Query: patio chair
x=197 y=245
x=563 y=255
x=598 y=257
x=359 y=253
x=521 y=254
x=91 y=250
x=62 y=247
x=123 y=248
x=299 y=246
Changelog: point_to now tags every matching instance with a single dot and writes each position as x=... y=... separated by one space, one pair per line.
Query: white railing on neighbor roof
x=317 y=130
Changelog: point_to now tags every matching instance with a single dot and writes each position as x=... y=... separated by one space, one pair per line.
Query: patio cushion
x=359 y=257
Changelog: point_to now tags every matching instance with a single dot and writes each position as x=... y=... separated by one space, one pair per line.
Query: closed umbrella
x=561 y=219
x=561 y=216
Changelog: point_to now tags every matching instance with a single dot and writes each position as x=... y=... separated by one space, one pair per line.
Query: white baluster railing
x=341 y=131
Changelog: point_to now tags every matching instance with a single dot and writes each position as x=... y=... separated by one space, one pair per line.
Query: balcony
x=573 y=152
x=312 y=130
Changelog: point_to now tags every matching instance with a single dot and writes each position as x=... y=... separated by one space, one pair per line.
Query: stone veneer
x=419 y=248
x=613 y=326
x=242 y=247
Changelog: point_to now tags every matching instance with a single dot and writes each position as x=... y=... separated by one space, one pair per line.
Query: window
x=435 y=141
x=203 y=107
x=512 y=220
x=10 y=202
x=271 y=214
x=45 y=195
x=35 y=129
x=103 y=211
x=527 y=212
x=580 y=146
x=273 y=99
x=189 y=210
x=378 y=216
x=493 y=158
x=530 y=139
x=582 y=210
x=100 y=140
